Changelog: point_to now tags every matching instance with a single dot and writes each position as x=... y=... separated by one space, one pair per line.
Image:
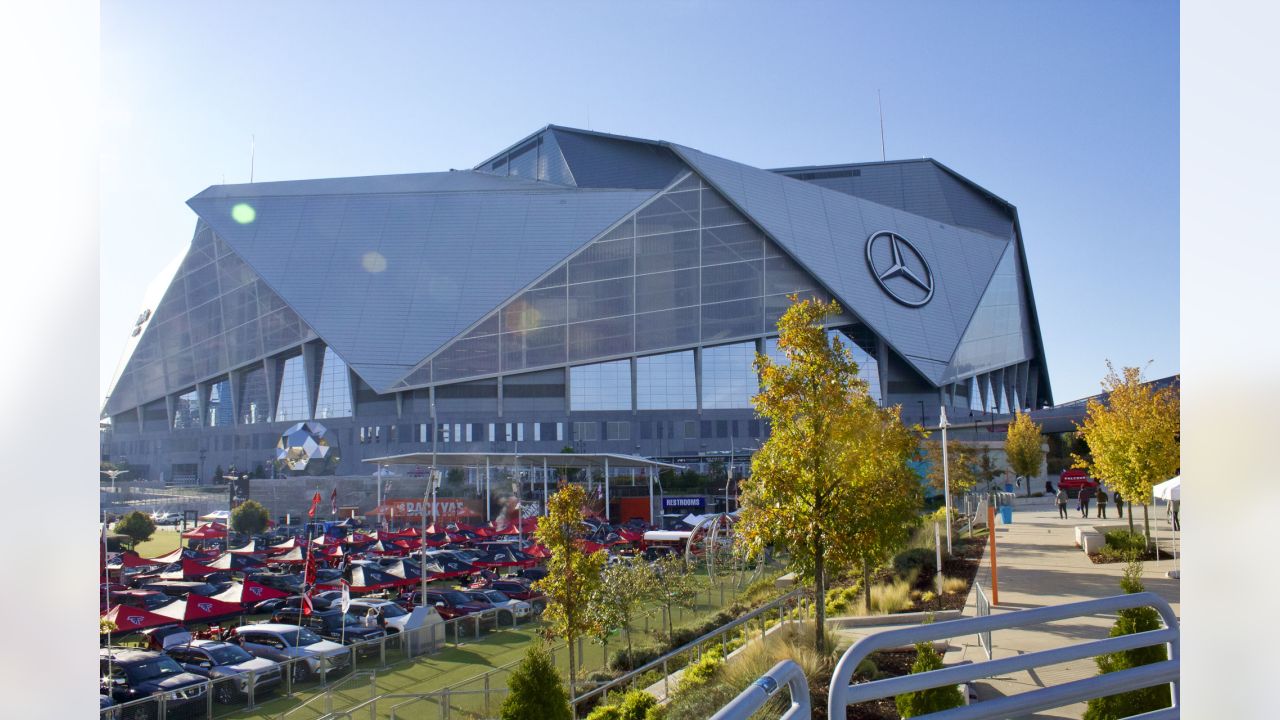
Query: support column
x=545 y=496
x=500 y=396
x=488 y=516
x=697 y=375
x=606 y=489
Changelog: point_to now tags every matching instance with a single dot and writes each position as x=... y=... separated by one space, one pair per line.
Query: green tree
x=250 y=518
x=933 y=700
x=985 y=468
x=674 y=584
x=832 y=483
x=1133 y=437
x=624 y=589
x=137 y=525
x=1128 y=621
x=961 y=465
x=218 y=475
x=1022 y=447
x=573 y=576
x=536 y=692
x=105 y=626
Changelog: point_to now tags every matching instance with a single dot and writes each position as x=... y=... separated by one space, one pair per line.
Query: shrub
x=932 y=700
x=928 y=596
x=536 y=691
x=866 y=669
x=1131 y=620
x=921 y=560
x=1125 y=541
x=952 y=585
x=701 y=671
x=892 y=597
x=639 y=656
x=250 y=518
x=137 y=525
x=635 y=705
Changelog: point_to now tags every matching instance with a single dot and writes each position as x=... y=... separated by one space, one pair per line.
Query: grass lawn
x=163 y=541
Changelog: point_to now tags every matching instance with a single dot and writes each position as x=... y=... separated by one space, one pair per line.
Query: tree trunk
x=571 y=663
x=866 y=586
x=627 y=630
x=1146 y=521
x=1130 y=514
x=820 y=616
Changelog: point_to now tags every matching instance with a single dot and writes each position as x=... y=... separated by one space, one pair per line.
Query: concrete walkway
x=1038 y=564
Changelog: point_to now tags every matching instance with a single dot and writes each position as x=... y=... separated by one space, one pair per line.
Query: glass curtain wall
x=219 y=406
x=293 y=404
x=255 y=405
x=728 y=376
x=186 y=411
x=666 y=382
x=333 y=400
x=602 y=386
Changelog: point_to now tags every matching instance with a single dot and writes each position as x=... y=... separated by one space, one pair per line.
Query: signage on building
x=696 y=505
x=446 y=508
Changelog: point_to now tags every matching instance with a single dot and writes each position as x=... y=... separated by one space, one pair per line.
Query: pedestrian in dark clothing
x=1061 y=497
x=1102 y=504
x=1048 y=488
x=1119 y=505
x=1173 y=509
x=1085 y=495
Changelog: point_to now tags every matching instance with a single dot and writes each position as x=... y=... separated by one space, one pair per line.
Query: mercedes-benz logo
x=899 y=268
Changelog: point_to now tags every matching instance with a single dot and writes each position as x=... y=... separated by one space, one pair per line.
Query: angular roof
x=376 y=266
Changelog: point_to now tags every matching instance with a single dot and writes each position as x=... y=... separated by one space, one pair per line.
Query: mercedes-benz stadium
x=575 y=290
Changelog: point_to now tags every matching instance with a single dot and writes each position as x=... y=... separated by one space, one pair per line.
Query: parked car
x=287 y=582
x=281 y=643
x=505 y=606
x=145 y=599
x=293 y=601
x=333 y=624
x=453 y=603
x=520 y=590
x=130 y=674
x=166 y=518
x=391 y=616
x=230 y=664
x=534 y=574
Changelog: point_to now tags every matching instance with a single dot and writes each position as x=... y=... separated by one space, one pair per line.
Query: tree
x=1128 y=621
x=106 y=626
x=674 y=584
x=1132 y=437
x=624 y=588
x=218 y=475
x=137 y=525
x=536 y=692
x=985 y=469
x=961 y=459
x=933 y=700
x=250 y=518
x=1022 y=447
x=573 y=576
x=832 y=483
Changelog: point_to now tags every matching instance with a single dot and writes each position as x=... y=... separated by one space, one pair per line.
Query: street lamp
x=200 y=479
x=113 y=474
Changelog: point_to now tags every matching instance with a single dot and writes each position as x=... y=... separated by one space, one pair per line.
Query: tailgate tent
x=368 y=579
x=235 y=563
x=249 y=593
x=198 y=608
x=131 y=619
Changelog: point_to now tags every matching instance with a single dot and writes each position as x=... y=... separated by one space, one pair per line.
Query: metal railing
x=983 y=610
x=843 y=694
x=787 y=673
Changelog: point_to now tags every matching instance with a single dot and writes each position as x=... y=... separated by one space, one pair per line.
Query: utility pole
x=946 y=476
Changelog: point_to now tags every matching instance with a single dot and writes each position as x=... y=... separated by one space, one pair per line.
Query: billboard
x=412 y=508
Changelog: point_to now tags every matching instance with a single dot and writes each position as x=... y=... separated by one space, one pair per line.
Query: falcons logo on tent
x=207 y=607
x=255 y=590
x=135 y=619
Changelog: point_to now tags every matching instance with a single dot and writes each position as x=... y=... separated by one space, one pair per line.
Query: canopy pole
x=650 y=477
x=544 y=485
x=487 y=514
x=606 y=489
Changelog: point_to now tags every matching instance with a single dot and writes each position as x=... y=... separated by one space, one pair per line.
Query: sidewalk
x=1038 y=564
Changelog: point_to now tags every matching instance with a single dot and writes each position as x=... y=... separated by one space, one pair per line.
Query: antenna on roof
x=588 y=115
x=252 y=147
x=881 y=106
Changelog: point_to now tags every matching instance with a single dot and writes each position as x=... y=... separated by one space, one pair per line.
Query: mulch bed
x=1099 y=559
x=892 y=663
x=965 y=558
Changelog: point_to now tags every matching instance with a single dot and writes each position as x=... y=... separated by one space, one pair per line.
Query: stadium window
x=585 y=431
x=519 y=432
x=722 y=428
x=559 y=432
x=618 y=431
x=690 y=430
x=706 y=428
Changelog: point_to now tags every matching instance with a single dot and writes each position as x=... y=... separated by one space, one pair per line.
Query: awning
x=552 y=460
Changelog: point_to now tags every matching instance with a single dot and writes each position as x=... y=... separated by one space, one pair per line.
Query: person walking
x=1173 y=510
x=1061 y=497
x=1119 y=504
x=1102 y=503
x=1085 y=494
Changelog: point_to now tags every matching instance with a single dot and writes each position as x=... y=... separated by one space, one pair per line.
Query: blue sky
x=1068 y=110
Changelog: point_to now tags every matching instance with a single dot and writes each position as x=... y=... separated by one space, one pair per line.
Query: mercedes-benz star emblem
x=900 y=268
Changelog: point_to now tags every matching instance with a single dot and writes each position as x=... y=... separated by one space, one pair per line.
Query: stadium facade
x=576 y=289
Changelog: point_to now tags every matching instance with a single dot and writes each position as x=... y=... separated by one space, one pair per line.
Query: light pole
x=200 y=479
x=113 y=474
x=946 y=474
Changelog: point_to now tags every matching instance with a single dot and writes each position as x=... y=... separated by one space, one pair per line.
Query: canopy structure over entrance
x=545 y=462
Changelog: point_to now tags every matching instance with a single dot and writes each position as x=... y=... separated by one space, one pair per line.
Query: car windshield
x=228 y=655
x=453 y=597
x=495 y=596
x=160 y=667
x=300 y=636
x=392 y=610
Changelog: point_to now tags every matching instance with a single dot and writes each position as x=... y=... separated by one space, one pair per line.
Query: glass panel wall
x=293 y=403
x=255 y=405
x=666 y=382
x=603 y=386
x=728 y=376
x=334 y=397
x=219 y=408
x=186 y=412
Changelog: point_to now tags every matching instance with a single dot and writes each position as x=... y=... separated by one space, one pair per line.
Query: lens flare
x=243 y=213
x=373 y=262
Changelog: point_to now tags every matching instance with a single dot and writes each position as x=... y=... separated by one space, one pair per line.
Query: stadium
x=576 y=290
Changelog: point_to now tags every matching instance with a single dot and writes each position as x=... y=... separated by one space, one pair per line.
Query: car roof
x=128 y=654
x=209 y=644
x=374 y=602
x=268 y=627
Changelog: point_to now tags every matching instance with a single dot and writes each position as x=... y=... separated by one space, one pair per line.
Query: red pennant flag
x=315 y=503
x=333 y=502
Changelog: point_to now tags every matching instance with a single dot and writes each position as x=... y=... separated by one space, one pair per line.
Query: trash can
x=1006 y=514
x=1008 y=487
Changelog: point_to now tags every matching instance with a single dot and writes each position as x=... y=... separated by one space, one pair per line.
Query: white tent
x=222 y=516
x=1170 y=489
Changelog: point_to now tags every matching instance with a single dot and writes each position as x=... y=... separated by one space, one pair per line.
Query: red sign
x=446 y=508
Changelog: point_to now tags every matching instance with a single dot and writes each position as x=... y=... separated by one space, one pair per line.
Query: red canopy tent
x=293 y=556
x=198 y=608
x=249 y=593
x=129 y=559
x=206 y=532
x=191 y=568
x=590 y=547
x=132 y=619
x=167 y=559
x=249 y=549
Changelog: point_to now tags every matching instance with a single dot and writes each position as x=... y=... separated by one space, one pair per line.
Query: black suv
x=128 y=674
x=333 y=624
x=288 y=582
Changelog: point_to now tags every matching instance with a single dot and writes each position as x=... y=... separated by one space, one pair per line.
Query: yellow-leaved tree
x=1133 y=437
x=573 y=576
x=1022 y=447
x=962 y=470
x=832 y=484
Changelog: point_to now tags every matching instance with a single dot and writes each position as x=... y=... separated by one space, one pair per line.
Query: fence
x=324 y=692
x=983 y=610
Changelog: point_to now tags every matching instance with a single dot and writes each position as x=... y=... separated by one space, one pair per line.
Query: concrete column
x=697 y=375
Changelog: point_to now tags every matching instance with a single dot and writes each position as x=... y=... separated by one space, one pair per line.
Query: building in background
x=575 y=290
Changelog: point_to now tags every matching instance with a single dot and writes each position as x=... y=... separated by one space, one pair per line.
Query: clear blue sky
x=1068 y=110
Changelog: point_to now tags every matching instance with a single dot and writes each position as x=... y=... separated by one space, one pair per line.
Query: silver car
x=499 y=601
x=280 y=642
x=390 y=615
x=219 y=661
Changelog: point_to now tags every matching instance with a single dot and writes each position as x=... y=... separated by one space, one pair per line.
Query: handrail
x=690 y=645
x=843 y=694
x=755 y=696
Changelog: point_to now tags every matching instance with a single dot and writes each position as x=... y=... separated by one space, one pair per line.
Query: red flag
x=308 y=581
x=315 y=503
x=306 y=604
x=333 y=502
